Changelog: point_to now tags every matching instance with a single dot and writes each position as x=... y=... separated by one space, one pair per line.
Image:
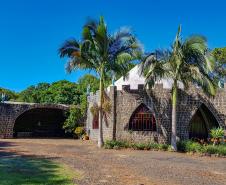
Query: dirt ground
x=121 y=167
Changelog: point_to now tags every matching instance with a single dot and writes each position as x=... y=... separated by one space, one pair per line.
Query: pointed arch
x=202 y=122
x=142 y=119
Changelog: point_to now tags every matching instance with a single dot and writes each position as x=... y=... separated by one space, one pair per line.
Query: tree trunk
x=174 y=117
x=100 y=137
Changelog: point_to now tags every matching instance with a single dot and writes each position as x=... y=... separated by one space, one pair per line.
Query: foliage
x=79 y=131
x=217 y=133
x=189 y=146
x=219 y=149
x=220 y=56
x=63 y=92
x=73 y=120
x=113 y=144
x=87 y=80
x=186 y=62
x=110 y=144
x=102 y=53
x=10 y=95
x=192 y=146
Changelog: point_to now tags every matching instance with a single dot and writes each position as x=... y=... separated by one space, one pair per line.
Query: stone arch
x=143 y=118
x=25 y=109
x=203 y=118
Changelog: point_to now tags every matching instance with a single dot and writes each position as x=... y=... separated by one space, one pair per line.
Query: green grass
x=32 y=171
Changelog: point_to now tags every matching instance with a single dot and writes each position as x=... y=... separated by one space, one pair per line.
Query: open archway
x=201 y=123
x=142 y=119
x=40 y=122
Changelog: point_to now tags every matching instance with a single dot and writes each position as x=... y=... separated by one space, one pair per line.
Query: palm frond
x=69 y=48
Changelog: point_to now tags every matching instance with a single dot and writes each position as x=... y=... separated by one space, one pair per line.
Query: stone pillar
x=113 y=94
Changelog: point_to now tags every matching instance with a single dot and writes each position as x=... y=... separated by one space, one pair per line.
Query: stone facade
x=124 y=102
x=10 y=111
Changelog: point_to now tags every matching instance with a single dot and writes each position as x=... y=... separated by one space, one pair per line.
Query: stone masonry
x=10 y=111
x=124 y=102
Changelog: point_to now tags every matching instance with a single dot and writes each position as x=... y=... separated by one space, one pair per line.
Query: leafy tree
x=220 y=56
x=103 y=53
x=63 y=92
x=86 y=80
x=28 y=95
x=187 y=62
x=73 y=120
x=10 y=95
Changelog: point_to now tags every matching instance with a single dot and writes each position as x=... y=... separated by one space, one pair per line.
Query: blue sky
x=31 y=31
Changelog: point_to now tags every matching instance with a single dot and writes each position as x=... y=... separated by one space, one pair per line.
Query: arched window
x=96 y=122
x=201 y=123
x=142 y=119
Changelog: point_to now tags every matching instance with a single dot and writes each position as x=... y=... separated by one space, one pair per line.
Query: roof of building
x=134 y=79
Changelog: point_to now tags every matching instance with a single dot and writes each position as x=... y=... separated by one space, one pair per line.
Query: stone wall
x=158 y=100
x=10 y=111
x=108 y=124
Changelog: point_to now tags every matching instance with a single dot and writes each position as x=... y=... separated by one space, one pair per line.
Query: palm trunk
x=174 y=117
x=100 y=137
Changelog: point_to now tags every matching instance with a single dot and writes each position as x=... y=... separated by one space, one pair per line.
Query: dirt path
x=122 y=167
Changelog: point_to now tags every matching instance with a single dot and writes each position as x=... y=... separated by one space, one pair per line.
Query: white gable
x=134 y=79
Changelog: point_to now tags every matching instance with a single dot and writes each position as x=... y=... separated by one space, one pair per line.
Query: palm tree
x=103 y=53
x=186 y=62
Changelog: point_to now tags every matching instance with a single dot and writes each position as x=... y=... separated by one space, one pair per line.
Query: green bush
x=219 y=149
x=73 y=120
x=191 y=146
x=163 y=147
x=111 y=144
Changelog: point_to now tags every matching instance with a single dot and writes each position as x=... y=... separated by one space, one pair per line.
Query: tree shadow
x=20 y=169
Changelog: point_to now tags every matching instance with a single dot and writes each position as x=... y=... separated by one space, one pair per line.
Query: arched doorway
x=142 y=119
x=201 y=123
x=40 y=122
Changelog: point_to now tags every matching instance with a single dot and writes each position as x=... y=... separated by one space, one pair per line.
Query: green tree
x=10 y=95
x=63 y=92
x=74 y=119
x=220 y=56
x=187 y=62
x=103 y=53
x=86 y=80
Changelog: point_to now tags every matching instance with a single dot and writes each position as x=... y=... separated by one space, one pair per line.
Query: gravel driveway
x=122 y=167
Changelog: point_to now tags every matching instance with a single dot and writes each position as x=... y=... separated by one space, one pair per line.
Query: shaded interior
x=40 y=122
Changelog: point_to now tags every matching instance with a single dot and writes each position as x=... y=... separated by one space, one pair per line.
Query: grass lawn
x=33 y=171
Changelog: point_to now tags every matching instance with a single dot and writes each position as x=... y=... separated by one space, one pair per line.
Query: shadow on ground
x=16 y=169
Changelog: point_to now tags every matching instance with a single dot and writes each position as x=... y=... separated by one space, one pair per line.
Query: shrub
x=164 y=147
x=110 y=144
x=136 y=146
x=73 y=120
x=189 y=146
x=219 y=149
x=79 y=131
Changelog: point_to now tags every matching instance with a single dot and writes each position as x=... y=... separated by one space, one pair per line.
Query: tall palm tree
x=186 y=62
x=103 y=53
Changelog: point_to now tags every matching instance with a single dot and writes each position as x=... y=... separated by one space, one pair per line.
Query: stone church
x=139 y=114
